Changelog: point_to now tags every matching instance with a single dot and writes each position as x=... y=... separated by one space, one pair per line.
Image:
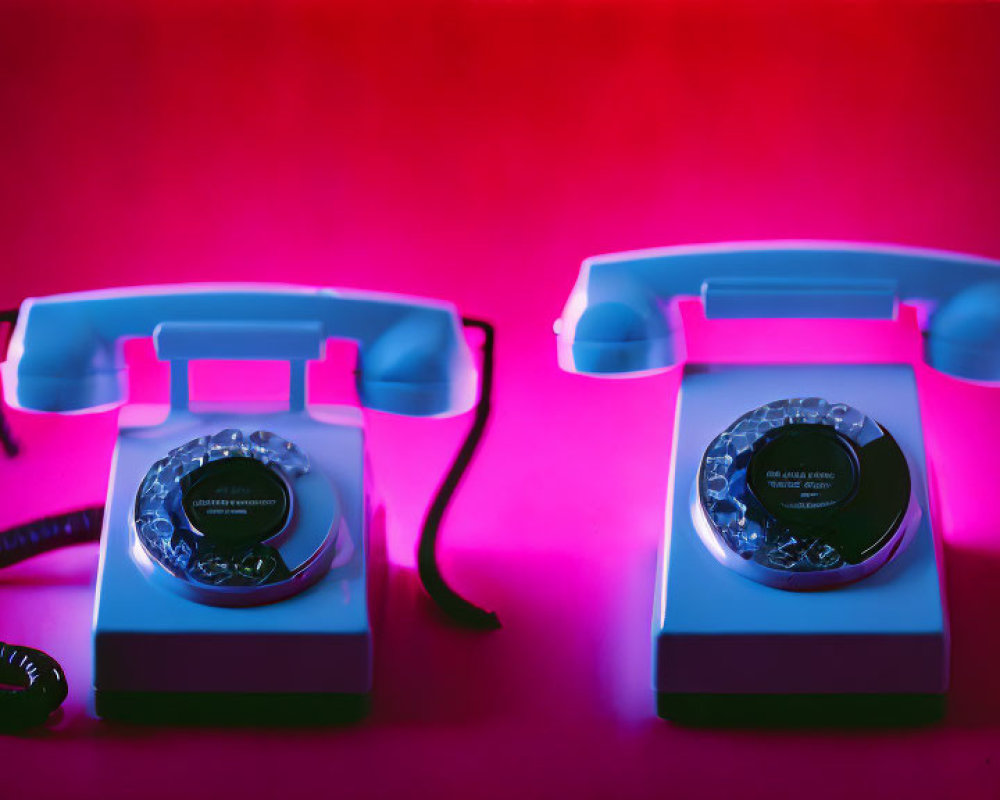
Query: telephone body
x=782 y=631
x=241 y=551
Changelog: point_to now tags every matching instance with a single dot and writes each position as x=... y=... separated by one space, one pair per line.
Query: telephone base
x=159 y=652
x=718 y=634
x=804 y=710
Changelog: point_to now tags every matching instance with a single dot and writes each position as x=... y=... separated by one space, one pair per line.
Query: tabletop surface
x=477 y=152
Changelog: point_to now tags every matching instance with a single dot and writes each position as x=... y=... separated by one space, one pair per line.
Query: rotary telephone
x=243 y=540
x=798 y=570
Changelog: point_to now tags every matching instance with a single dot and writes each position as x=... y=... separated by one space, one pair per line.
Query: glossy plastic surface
x=618 y=318
x=150 y=639
x=65 y=353
x=716 y=632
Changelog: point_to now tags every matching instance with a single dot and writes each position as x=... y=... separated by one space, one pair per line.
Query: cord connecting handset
x=447 y=598
x=65 y=354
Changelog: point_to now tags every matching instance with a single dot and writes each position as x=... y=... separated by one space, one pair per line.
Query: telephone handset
x=614 y=321
x=65 y=351
x=208 y=511
x=791 y=476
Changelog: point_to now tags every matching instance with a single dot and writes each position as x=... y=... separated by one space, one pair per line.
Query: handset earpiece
x=613 y=324
x=416 y=367
x=963 y=338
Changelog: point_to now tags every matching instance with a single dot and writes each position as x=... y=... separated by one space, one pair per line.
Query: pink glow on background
x=478 y=152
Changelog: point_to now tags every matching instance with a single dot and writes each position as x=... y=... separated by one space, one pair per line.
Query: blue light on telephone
x=249 y=540
x=791 y=477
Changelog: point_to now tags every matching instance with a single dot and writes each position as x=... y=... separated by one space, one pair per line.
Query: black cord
x=50 y=533
x=7 y=441
x=41 y=680
x=452 y=603
x=43 y=686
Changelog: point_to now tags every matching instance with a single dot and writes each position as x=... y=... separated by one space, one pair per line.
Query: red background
x=477 y=152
